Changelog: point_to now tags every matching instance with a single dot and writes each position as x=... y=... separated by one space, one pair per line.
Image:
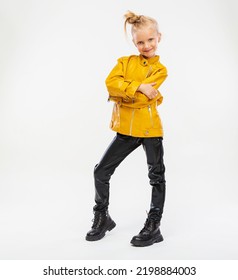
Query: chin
x=149 y=55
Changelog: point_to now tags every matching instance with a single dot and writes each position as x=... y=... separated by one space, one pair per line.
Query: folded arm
x=118 y=86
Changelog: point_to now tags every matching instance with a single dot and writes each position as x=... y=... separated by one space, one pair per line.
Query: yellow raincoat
x=134 y=113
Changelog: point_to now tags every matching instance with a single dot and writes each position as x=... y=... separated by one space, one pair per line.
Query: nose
x=146 y=45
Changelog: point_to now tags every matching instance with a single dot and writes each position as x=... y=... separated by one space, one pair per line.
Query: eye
x=140 y=43
x=151 y=39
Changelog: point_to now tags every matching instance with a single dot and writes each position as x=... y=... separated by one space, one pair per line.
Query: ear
x=159 y=37
x=134 y=42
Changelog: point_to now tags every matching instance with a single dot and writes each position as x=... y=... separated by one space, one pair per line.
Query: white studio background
x=54 y=127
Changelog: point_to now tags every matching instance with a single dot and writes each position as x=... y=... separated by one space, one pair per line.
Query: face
x=146 y=40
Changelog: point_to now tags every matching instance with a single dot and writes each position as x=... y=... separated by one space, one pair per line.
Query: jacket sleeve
x=117 y=85
x=158 y=76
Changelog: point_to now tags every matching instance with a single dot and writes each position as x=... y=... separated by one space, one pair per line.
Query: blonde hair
x=139 y=21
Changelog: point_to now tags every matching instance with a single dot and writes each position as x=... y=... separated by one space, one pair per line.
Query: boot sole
x=150 y=242
x=100 y=236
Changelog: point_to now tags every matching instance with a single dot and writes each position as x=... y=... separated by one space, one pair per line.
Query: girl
x=133 y=87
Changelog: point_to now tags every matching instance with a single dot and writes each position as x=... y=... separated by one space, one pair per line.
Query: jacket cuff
x=132 y=89
x=159 y=98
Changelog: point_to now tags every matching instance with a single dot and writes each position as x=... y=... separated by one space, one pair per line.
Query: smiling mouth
x=148 y=50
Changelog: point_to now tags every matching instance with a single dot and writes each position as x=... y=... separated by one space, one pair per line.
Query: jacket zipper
x=149 y=72
x=132 y=118
x=149 y=108
x=151 y=117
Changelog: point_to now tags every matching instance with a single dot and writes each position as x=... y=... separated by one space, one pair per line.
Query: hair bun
x=138 y=21
x=132 y=18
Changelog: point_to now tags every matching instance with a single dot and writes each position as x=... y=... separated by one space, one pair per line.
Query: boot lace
x=148 y=226
x=98 y=219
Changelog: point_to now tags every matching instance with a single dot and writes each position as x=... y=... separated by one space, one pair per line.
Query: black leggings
x=118 y=150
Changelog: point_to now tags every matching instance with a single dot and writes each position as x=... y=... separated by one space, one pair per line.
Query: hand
x=148 y=90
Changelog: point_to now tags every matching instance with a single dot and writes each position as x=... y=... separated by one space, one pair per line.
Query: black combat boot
x=102 y=222
x=150 y=233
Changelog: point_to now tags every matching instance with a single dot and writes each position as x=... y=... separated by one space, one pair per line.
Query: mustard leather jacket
x=134 y=114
